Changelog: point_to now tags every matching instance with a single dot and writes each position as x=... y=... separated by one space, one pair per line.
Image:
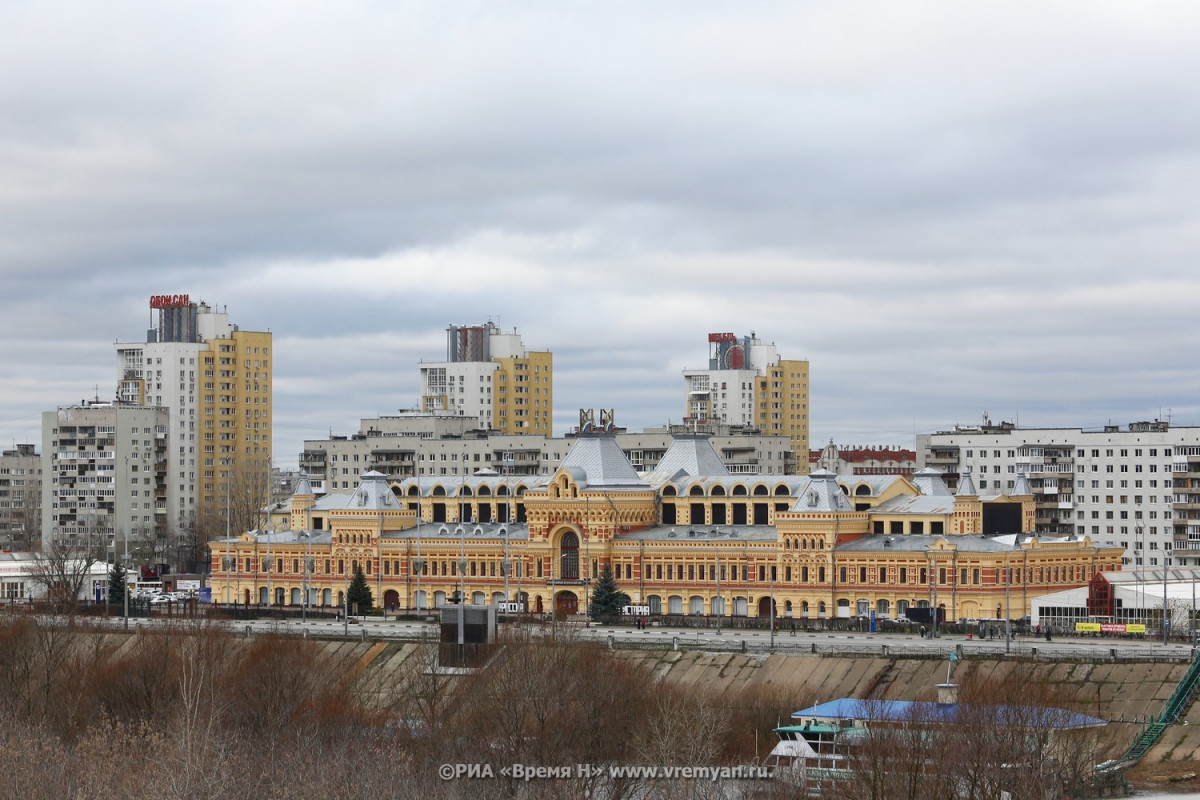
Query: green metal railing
x=1174 y=707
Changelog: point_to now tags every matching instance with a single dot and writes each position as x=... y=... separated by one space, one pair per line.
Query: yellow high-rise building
x=782 y=403
x=748 y=384
x=490 y=376
x=235 y=414
x=214 y=380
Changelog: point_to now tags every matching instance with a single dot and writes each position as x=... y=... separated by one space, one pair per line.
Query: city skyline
x=945 y=210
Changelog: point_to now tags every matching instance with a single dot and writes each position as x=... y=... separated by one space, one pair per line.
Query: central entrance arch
x=766 y=607
x=565 y=604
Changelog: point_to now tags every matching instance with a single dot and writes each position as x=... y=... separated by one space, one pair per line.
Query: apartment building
x=489 y=376
x=20 y=498
x=1136 y=487
x=416 y=444
x=215 y=382
x=748 y=384
x=105 y=477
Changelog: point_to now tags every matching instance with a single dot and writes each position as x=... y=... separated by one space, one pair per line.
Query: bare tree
x=245 y=506
x=64 y=566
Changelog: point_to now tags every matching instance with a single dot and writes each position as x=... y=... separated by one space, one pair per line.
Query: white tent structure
x=1136 y=598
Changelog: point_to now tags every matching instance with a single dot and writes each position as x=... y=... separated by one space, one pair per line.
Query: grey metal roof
x=823 y=493
x=966 y=486
x=471 y=531
x=877 y=483
x=929 y=482
x=497 y=485
x=917 y=542
x=604 y=464
x=702 y=533
x=314 y=538
x=303 y=486
x=693 y=455
x=917 y=504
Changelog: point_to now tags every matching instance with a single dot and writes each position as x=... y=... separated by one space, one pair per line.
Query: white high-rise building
x=490 y=377
x=748 y=384
x=1137 y=488
x=214 y=380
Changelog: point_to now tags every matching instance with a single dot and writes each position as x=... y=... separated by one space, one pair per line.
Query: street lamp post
x=720 y=603
x=1007 y=609
x=462 y=565
x=125 y=594
x=771 y=576
x=305 y=577
x=228 y=563
x=419 y=564
x=587 y=566
x=506 y=567
x=1166 y=619
x=267 y=569
x=933 y=606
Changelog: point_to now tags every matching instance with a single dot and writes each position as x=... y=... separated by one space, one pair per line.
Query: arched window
x=569 y=556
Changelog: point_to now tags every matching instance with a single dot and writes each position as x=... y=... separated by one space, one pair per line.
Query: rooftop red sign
x=169 y=300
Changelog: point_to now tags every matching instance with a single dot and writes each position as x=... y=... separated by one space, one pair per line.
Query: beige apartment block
x=748 y=384
x=490 y=377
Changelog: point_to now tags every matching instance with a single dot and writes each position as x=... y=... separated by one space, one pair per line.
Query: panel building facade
x=415 y=444
x=20 y=498
x=1135 y=487
x=104 y=478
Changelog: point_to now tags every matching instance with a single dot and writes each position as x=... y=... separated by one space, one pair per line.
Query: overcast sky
x=945 y=207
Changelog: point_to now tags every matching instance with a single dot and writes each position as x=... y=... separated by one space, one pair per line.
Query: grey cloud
x=944 y=207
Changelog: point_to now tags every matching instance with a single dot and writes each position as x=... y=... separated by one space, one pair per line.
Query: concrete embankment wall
x=1125 y=693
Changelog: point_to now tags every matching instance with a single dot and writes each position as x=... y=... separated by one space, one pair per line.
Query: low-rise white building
x=22 y=580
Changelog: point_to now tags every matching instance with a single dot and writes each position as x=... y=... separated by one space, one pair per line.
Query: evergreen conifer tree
x=359 y=593
x=116 y=584
x=607 y=597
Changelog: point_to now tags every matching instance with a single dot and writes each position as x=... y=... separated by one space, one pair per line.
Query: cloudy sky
x=945 y=207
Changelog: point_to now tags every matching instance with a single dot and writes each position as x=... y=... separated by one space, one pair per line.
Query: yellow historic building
x=688 y=538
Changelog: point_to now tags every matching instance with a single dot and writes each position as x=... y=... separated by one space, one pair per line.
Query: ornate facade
x=688 y=538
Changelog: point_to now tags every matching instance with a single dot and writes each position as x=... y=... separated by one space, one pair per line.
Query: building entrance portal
x=565 y=604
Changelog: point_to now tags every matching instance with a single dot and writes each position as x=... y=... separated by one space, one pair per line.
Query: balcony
x=1186 y=502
